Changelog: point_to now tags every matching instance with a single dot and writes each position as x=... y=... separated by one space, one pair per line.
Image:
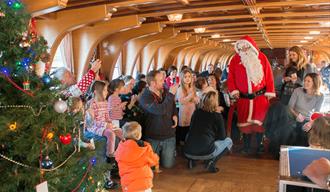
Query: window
x=63 y=56
x=117 y=70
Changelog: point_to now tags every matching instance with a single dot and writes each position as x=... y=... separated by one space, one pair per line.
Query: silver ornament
x=60 y=106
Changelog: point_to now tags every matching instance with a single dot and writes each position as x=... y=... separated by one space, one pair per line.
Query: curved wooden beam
x=133 y=48
x=86 y=39
x=180 y=59
x=41 y=7
x=174 y=54
x=117 y=41
x=207 y=58
x=164 y=51
x=65 y=21
x=149 y=51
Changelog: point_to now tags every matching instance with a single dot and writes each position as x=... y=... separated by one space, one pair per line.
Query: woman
x=172 y=79
x=187 y=99
x=206 y=139
x=284 y=125
x=307 y=99
x=299 y=60
x=304 y=102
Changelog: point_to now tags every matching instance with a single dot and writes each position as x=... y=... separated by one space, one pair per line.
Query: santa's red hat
x=247 y=39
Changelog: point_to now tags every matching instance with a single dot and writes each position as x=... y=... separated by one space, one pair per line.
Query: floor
x=237 y=174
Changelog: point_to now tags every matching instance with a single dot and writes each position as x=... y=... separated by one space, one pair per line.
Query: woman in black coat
x=206 y=139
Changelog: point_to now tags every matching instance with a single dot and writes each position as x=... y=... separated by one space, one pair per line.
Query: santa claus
x=251 y=82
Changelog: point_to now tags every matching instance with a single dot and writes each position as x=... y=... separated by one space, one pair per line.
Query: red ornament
x=316 y=115
x=65 y=139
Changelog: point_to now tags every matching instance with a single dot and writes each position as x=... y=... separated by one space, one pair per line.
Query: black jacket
x=158 y=114
x=205 y=129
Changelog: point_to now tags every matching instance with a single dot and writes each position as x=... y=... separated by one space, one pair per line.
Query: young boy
x=135 y=157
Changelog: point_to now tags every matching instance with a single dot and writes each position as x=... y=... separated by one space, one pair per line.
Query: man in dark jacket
x=210 y=70
x=160 y=117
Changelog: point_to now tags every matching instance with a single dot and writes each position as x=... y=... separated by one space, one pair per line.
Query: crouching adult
x=206 y=139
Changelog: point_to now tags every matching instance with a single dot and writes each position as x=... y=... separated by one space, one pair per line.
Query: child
x=135 y=157
x=101 y=123
x=77 y=106
x=289 y=86
x=187 y=99
x=202 y=87
x=116 y=107
x=319 y=135
x=172 y=79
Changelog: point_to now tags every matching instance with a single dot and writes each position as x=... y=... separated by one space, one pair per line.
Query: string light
x=24 y=106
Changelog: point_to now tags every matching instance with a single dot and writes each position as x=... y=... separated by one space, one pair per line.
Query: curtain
x=66 y=52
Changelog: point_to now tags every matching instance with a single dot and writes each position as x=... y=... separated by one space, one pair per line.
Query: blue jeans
x=165 y=149
x=220 y=146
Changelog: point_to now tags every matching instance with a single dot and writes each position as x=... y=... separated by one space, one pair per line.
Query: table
x=285 y=178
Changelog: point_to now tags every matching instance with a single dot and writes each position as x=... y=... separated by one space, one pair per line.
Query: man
x=210 y=70
x=69 y=82
x=250 y=82
x=160 y=117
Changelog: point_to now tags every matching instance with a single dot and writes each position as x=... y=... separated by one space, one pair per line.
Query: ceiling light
x=200 y=30
x=308 y=37
x=226 y=40
x=314 y=32
x=303 y=41
x=325 y=24
x=175 y=17
x=214 y=36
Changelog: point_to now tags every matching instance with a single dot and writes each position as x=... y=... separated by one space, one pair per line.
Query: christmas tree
x=38 y=135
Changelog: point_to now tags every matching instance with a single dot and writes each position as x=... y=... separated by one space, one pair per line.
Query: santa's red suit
x=251 y=111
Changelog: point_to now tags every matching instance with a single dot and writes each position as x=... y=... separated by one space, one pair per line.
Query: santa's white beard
x=253 y=66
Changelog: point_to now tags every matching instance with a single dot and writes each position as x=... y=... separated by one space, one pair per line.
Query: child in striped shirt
x=116 y=106
x=100 y=122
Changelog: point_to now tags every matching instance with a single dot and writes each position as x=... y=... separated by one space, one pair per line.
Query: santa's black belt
x=253 y=95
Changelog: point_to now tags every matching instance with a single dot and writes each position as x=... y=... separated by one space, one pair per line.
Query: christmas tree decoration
x=40 y=68
x=93 y=161
x=66 y=139
x=10 y=2
x=24 y=44
x=13 y=126
x=4 y=71
x=31 y=121
x=50 y=135
x=47 y=163
x=60 y=106
x=17 y=5
x=46 y=79
x=26 y=85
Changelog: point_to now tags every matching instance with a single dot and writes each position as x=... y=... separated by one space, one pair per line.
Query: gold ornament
x=50 y=135
x=13 y=126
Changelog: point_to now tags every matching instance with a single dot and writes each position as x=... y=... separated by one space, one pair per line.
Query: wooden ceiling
x=271 y=23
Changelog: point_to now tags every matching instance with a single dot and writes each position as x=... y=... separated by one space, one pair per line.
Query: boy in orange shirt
x=135 y=159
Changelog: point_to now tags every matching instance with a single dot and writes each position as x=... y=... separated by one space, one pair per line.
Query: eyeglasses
x=244 y=48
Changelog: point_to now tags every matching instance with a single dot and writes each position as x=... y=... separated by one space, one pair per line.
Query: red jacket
x=134 y=164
